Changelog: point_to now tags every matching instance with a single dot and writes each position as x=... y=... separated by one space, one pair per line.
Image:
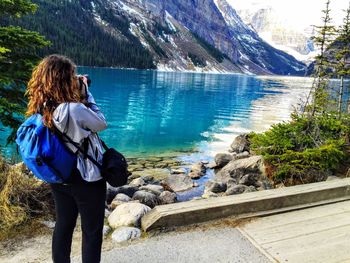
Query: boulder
x=128 y=214
x=120 y=199
x=146 y=198
x=242 y=155
x=125 y=189
x=237 y=189
x=221 y=159
x=167 y=197
x=215 y=187
x=137 y=182
x=123 y=234
x=250 y=179
x=178 y=183
x=240 y=144
x=238 y=168
x=153 y=188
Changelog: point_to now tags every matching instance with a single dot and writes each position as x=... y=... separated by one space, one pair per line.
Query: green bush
x=303 y=150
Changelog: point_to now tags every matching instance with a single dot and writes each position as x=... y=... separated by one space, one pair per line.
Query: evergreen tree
x=17 y=59
x=319 y=98
x=342 y=58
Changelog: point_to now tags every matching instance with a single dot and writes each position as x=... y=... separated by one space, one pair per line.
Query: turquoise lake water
x=152 y=112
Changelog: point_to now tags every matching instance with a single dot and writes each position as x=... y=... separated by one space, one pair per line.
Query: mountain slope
x=279 y=33
x=203 y=35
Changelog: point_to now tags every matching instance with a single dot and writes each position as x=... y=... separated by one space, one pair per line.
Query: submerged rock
x=128 y=214
x=178 y=183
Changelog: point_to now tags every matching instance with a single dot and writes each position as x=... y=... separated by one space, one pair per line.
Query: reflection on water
x=150 y=112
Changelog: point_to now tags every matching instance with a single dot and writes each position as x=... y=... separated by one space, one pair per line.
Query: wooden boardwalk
x=247 y=205
x=318 y=234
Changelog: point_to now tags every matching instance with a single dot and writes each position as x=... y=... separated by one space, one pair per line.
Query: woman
x=66 y=104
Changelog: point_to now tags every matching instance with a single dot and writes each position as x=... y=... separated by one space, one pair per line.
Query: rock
x=242 y=155
x=120 y=199
x=178 y=171
x=125 y=189
x=195 y=175
x=153 y=188
x=237 y=189
x=231 y=182
x=106 y=230
x=156 y=173
x=198 y=168
x=146 y=198
x=240 y=144
x=250 y=179
x=137 y=182
x=212 y=165
x=221 y=159
x=135 y=167
x=107 y=213
x=215 y=187
x=178 y=183
x=147 y=179
x=238 y=168
x=49 y=224
x=123 y=234
x=167 y=198
x=128 y=214
x=205 y=162
x=133 y=176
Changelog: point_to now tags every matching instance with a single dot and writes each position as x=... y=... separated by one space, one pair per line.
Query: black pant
x=87 y=199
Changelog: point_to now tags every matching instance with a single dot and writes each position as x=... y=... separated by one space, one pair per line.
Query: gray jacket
x=79 y=122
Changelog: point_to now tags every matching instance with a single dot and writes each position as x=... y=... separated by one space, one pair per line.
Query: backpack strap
x=80 y=149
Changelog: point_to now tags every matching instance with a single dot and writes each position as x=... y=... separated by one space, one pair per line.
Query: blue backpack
x=44 y=152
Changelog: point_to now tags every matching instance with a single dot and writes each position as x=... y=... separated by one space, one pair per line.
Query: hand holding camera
x=84 y=82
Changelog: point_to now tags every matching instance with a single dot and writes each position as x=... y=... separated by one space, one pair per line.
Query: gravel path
x=212 y=245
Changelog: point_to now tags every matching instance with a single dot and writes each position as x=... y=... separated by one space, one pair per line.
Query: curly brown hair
x=53 y=82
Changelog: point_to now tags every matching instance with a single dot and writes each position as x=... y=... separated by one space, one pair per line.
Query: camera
x=80 y=78
x=82 y=86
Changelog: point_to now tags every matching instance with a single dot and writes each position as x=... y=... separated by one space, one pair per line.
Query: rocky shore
x=159 y=181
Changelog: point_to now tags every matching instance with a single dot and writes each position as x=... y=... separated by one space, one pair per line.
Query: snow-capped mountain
x=196 y=35
x=278 y=32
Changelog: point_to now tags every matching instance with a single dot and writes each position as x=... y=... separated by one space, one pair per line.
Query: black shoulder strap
x=76 y=145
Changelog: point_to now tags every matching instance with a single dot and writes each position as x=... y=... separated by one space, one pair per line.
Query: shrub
x=22 y=198
x=303 y=150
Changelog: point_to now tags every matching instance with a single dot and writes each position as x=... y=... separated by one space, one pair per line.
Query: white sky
x=300 y=13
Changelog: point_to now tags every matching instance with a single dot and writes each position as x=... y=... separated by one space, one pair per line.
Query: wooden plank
x=319 y=234
x=328 y=246
x=245 y=204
